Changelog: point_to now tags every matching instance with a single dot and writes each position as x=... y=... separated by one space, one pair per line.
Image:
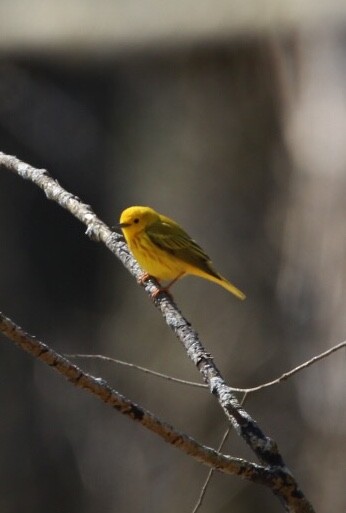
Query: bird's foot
x=143 y=278
x=159 y=290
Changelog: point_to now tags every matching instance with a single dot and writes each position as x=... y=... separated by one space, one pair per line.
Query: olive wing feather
x=168 y=236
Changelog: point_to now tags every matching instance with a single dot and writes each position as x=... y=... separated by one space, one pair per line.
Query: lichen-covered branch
x=108 y=395
x=282 y=483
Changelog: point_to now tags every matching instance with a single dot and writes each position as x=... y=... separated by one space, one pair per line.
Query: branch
x=101 y=389
x=264 y=447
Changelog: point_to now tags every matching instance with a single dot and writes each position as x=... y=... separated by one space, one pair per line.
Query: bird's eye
x=136 y=220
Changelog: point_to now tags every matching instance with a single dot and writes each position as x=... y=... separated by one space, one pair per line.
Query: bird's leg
x=166 y=288
x=146 y=276
x=173 y=281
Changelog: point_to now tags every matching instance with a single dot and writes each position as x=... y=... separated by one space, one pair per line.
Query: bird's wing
x=171 y=238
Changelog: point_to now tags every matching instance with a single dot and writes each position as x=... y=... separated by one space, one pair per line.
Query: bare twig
x=290 y=373
x=137 y=367
x=211 y=470
x=210 y=475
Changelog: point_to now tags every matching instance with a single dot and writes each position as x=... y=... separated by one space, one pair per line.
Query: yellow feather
x=165 y=250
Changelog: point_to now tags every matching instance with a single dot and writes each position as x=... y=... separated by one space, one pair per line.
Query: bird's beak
x=119 y=226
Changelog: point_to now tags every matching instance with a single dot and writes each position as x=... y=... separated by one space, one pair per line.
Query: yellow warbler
x=165 y=250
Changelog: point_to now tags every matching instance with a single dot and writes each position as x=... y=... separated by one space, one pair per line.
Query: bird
x=165 y=251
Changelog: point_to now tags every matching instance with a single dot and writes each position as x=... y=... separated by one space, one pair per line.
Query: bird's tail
x=228 y=286
x=232 y=288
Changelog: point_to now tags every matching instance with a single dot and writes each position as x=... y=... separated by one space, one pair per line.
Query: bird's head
x=135 y=219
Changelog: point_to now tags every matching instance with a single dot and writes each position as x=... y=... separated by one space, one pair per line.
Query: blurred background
x=230 y=118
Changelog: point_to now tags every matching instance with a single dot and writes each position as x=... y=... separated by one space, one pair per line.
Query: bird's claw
x=143 y=278
x=159 y=290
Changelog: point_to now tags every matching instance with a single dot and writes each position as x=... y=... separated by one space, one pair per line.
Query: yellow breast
x=155 y=261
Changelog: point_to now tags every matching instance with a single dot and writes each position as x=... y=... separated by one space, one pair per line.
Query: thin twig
x=211 y=470
x=209 y=476
x=290 y=373
x=138 y=367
